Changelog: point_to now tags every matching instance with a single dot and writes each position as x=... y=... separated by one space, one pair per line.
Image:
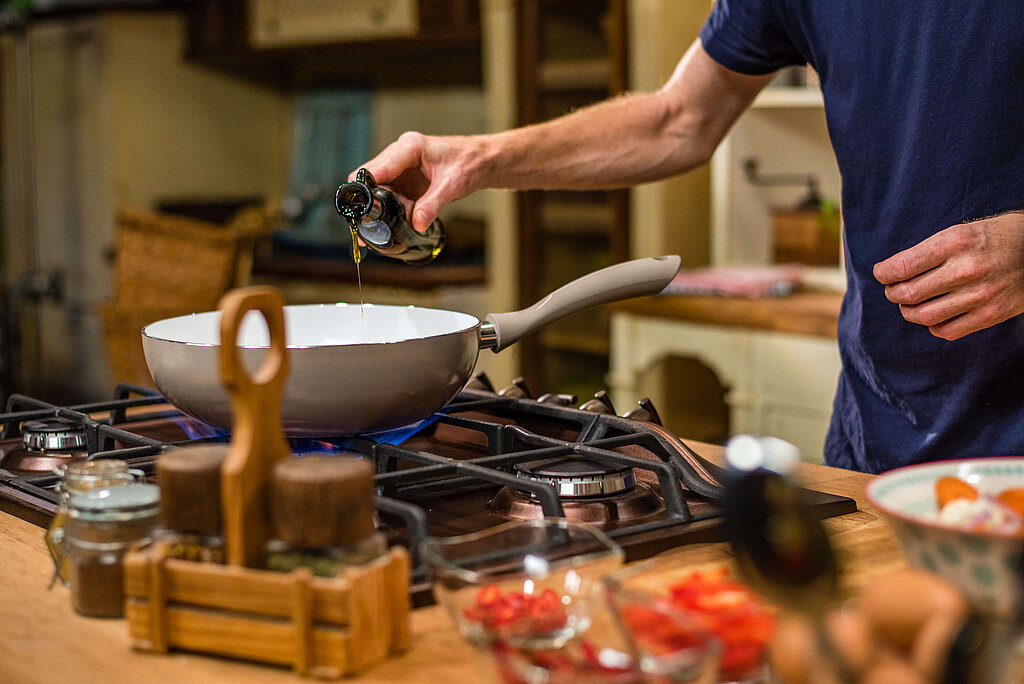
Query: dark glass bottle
x=378 y=216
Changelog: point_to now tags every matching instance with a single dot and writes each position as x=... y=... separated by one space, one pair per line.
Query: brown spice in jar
x=102 y=526
x=97 y=585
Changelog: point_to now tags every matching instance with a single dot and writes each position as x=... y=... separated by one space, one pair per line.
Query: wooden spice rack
x=321 y=627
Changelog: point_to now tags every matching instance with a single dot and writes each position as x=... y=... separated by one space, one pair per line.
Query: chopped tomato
x=536 y=613
x=732 y=612
x=948 y=488
x=1013 y=499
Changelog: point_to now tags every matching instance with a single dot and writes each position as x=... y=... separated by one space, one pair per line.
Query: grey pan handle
x=629 y=279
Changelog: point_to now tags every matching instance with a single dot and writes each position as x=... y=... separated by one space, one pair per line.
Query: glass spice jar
x=102 y=525
x=76 y=478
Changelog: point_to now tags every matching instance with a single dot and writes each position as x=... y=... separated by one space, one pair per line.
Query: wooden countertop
x=42 y=640
x=806 y=312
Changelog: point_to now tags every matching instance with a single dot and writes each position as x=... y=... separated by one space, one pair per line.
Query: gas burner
x=46 y=444
x=633 y=478
x=590 y=492
x=577 y=477
x=612 y=511
x=53 y=434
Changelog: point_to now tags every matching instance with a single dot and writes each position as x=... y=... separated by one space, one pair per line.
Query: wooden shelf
x=781 y=97
x=569 y=54
x=573 y=74
x=577 y=219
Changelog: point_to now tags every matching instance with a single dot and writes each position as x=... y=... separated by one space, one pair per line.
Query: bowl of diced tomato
x=963 y=520
x=666 y=606
x=525 y=584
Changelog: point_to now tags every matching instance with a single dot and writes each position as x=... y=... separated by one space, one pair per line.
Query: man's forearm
x=612 y=144
x=625 y=140
x=619 y=142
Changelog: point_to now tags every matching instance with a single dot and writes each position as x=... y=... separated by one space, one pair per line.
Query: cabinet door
x=571 y=53
x=795 y=381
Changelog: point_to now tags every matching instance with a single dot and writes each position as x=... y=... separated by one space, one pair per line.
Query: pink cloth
x=738 y=281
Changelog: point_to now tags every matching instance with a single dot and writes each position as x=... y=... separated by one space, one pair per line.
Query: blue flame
x=304 y=445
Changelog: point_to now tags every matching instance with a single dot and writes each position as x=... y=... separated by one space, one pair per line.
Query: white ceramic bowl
x=983 y=565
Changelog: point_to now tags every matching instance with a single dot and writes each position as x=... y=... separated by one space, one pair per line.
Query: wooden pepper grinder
x=257 y=439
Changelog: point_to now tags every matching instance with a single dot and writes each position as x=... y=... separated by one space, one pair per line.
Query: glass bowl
x=599 y=655
x=522 y=585
x=665 y=602
x=668 y=645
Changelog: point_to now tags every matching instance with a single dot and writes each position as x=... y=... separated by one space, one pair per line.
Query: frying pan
x=364 y=369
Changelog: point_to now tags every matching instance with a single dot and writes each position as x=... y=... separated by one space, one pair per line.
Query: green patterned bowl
x=983 y=565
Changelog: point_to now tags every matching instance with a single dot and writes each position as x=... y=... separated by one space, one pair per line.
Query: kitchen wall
x=118 y=118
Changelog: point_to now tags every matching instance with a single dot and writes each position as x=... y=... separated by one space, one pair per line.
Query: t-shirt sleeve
x=747 y=36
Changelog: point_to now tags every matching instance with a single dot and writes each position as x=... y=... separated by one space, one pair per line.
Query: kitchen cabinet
x=788 y=386
x=570 y=53
x=785 y=131
x=297 y=46
x=776 y=360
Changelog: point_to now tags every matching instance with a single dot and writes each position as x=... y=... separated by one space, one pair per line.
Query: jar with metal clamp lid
x=77 y=478
x=102 y=525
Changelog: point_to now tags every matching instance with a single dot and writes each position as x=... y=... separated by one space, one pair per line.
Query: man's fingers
x=952 y=317
x=922 y=257
x=442 y=190
x=959 y=326
x=405 y=153
x=919 y=289
x=935 y=311
x=428 y=208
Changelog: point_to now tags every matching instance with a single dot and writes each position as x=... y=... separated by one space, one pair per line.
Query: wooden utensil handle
x=233 y=306
x=257 y=439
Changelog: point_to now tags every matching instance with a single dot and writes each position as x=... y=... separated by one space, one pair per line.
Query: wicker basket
x=122 y=330
x=171 y=266
x=168 y=261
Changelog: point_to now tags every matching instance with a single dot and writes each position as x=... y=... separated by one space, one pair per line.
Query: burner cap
x=577 y=477
x=53 y=434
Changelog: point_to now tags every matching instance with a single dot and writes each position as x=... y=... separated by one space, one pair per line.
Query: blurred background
x=154 y=153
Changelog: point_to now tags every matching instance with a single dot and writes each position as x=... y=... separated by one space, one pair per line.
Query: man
x=925 y=107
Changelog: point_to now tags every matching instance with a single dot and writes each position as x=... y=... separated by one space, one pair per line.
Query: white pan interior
x=319 y=325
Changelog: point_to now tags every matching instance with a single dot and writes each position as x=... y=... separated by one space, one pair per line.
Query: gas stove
x=487 y=458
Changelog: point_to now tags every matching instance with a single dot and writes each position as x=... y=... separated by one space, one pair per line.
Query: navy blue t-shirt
x=925 y=108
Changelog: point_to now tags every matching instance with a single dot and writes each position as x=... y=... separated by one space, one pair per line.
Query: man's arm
x=621 y=141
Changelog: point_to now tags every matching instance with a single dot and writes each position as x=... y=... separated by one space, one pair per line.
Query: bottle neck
x=356 y=202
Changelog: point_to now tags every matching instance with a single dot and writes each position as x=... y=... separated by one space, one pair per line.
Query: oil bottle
x=377 y=216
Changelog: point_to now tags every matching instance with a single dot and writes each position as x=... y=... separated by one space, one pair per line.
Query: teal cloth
x=331 y=138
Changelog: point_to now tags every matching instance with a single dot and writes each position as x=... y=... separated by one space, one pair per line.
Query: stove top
x=487 y=458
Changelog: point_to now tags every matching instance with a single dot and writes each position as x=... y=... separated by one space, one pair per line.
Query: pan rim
x=294 y=307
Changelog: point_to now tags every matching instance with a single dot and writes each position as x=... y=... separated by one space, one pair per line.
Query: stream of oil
x=357 y=257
